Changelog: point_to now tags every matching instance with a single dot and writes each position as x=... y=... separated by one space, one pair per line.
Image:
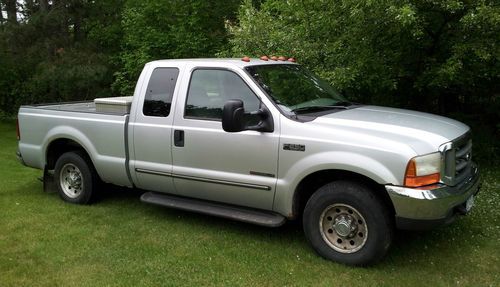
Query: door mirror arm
x=233 y=118
x=266 y=124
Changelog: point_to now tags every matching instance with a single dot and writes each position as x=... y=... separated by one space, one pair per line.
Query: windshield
x=296 y=90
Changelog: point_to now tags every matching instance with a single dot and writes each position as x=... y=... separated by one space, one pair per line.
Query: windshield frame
x=291 y=114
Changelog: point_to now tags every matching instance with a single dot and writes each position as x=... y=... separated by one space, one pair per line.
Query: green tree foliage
x=440 y=56
x=63 y=50
x=435 y=55
x=58 y=51
x=170 y=29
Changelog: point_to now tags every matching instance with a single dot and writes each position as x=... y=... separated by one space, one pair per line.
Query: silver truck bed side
x=102 y=135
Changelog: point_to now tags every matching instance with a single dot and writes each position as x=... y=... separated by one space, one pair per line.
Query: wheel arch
x=58 y=147
x=313 y=181
x=63 y=139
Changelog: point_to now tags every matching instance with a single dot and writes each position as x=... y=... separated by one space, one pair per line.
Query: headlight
x=423 y=170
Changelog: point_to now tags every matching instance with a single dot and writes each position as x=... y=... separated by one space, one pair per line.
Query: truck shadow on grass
x=409 y=249
x=112 y=194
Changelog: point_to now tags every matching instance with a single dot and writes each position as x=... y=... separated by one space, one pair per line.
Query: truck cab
x=199 y=157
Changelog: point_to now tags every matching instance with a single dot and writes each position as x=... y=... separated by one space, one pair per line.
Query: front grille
x=457 y=160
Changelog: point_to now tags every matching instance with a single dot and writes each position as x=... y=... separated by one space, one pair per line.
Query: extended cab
x=260 y=141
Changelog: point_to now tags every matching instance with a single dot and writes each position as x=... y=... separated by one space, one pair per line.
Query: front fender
x=334 y=160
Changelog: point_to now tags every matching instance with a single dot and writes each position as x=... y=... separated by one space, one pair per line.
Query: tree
x=170 y=29
x=439 y=56
x=62 y=50
x=58 y=51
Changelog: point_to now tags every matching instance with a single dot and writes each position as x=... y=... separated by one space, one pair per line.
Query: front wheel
x=75 y=178
x=345 y=222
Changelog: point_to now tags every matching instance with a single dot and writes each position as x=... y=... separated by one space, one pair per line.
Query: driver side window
x=209 y=89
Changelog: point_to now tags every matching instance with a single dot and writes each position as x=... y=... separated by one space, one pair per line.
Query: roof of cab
x=227 y=61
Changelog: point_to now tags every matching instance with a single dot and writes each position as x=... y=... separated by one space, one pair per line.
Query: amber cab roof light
x=273 y=58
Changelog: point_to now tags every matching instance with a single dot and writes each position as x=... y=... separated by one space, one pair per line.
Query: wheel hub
x=71 y=180
x=343 y=228
x=74 y=179
x=345 y=225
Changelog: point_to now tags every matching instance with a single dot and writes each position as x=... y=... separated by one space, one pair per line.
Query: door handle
x=179 y=138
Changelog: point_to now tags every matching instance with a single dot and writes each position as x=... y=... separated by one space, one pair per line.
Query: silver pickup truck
x=261 y=141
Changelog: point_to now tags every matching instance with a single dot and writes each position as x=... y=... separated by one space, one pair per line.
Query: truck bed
x=103 y=134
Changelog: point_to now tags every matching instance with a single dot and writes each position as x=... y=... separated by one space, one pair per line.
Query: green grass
x=121 y=242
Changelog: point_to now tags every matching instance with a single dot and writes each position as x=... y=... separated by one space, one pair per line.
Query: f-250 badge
x=294 y=147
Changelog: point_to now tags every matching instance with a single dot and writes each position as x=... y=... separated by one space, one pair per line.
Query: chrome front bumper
x=432 y=205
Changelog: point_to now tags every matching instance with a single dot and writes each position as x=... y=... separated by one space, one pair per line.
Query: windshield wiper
x=343 y=105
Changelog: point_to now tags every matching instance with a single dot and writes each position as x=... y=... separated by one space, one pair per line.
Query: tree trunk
x=29 y=8
x=63 y=22
x=1 y=14
x=44 y=5
x=77 y=31
x=11 y=8
x=77 y=10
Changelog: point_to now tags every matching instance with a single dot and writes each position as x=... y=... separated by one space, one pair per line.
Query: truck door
x=151 y=156
x=209 y=163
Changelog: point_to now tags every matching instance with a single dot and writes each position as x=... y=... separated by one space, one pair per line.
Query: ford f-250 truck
x=260 y=141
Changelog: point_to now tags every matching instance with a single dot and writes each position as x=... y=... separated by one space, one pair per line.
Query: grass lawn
x=120 y=241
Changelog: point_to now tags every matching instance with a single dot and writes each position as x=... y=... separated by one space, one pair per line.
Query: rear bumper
x=427 y=207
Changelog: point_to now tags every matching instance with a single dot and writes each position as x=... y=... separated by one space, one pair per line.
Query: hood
x=422 y=131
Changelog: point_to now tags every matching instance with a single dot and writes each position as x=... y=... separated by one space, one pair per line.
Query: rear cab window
x=161 y=86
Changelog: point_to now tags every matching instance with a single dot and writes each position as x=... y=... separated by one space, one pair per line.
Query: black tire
x=338 y=207
x=75 y=177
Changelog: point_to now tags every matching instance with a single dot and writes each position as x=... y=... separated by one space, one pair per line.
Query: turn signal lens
x=423 y=170
x=422 y=180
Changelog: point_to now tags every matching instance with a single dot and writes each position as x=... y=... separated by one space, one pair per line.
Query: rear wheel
x=75 y=178
x=345 y=222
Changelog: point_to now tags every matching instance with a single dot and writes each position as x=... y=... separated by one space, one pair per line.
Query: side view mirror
x=234 y=118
